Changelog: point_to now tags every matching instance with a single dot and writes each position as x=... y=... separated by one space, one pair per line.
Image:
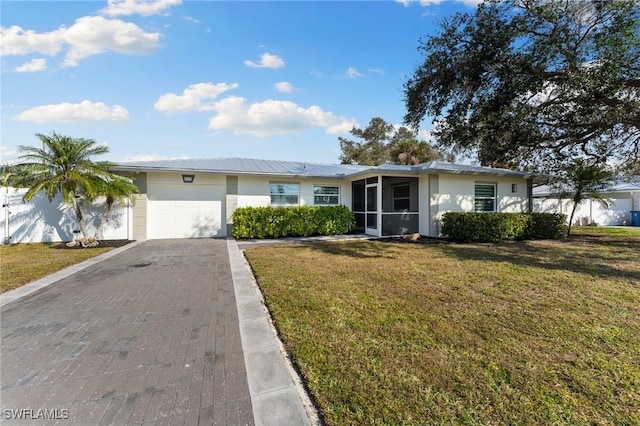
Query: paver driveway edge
x=277 y=394
x=26 y=289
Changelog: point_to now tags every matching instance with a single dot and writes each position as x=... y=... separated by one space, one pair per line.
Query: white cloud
x=140 y=7
x=89 y=35
x=8 y=155
x=197 y=97
x=376 y=71
x=406 y=3
x=426 y=135
x=352 y=73
x=284 y=87
x=422 y=134
x=548 y=93
x=15 y=40
x=267 y=60
x=68 y=112
x=33 y=65
x=192 y=19
x=272 y=117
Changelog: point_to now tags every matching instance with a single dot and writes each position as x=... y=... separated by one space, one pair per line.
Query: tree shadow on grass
x=597 y=256
x=613 y=241
x=360 y=249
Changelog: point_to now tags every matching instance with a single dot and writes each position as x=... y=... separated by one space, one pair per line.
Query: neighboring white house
x=624 y=197
x=197 y=197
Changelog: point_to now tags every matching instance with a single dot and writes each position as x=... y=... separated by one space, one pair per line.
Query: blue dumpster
x=635 y=218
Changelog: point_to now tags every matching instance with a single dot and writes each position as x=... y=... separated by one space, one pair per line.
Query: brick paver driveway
x=149 y=336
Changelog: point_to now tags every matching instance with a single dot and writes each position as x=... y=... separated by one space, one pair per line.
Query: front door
x=371 y=199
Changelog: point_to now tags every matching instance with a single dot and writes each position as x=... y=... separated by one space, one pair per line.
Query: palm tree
x=586 y=180
x=64 y=166
x=117 y=190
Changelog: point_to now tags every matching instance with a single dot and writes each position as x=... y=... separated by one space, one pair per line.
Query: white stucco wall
x=424 y=195
x=456 y=193
x=253 y=191
x=164 y=186
x=41 y=221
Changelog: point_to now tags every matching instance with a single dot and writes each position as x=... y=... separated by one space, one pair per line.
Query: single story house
x=194 y=198
x=624 y=197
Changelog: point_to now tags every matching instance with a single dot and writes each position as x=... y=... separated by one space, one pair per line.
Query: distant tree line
x=384 y=143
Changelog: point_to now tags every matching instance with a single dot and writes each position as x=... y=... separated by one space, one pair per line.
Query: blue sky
x=168 y=79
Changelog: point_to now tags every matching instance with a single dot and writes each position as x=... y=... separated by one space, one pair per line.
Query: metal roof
x=631 y=185
x=453 y=168
x=243 y=166
x=295 y=168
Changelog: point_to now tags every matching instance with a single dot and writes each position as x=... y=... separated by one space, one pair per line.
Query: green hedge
x=302 y=221
x=546 y=226
x=492 y=227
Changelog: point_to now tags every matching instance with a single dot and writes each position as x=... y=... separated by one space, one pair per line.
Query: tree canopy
x=521 y=81
x=382 y=143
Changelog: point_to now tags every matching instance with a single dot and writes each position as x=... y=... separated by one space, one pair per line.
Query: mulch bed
x=103 y=243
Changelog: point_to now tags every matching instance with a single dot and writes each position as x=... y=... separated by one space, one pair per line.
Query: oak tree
x=525 y=82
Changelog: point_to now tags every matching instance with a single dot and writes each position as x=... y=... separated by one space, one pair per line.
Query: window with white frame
x=401 y=197
x=485 y=197
x=326 y=195
x=284 y=194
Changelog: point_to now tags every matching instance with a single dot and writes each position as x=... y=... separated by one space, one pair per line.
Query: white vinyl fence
x=42 y=221
x=589 y=211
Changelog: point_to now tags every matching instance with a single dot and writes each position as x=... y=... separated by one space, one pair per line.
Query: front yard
x=23 y=263
x=537 y=332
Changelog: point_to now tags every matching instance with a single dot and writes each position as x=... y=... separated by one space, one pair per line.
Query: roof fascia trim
x=133 y=169
x=374 y=170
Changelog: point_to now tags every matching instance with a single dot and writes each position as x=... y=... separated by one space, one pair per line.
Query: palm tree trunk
x=573 y=212
x=80 y=218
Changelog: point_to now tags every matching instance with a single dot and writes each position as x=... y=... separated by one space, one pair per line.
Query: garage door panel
x=185 y=219
x=183 y=211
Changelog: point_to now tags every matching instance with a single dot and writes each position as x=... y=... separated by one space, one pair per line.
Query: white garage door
x=185 y=211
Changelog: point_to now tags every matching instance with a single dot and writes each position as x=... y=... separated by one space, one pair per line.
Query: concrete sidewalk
x=277 y=393
x=149 y=335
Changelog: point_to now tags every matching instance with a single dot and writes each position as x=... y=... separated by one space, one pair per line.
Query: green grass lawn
x=23 y=263
x=536 y=332
x=627 y=231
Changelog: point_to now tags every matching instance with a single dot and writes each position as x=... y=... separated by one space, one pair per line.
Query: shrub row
x=492 y=227
x=302 y=221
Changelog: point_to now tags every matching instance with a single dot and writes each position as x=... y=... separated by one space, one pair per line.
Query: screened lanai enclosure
x=386 y=205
